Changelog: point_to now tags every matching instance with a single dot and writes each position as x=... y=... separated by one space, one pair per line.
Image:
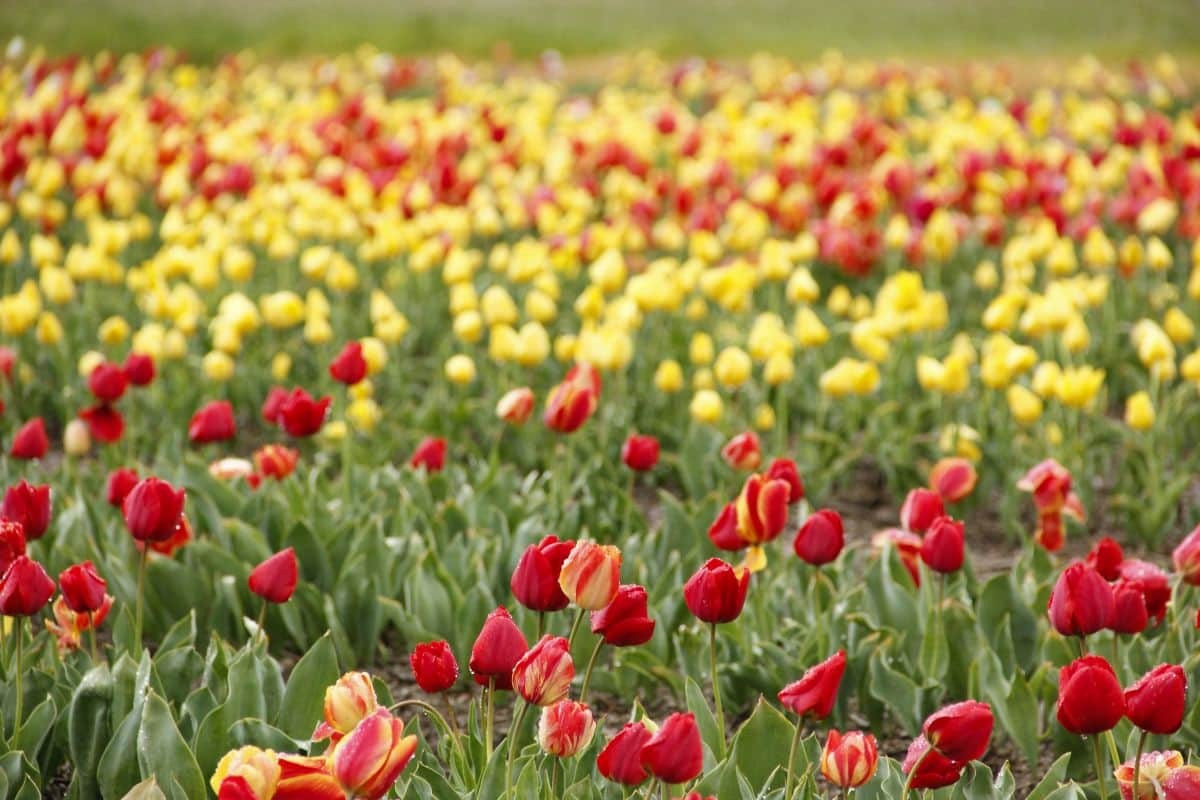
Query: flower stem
x=587 y=675
x=92 y=636
x=141 y=592
x=262 y=621
x=1098 y=758
x=19 y=630
x=1137 y=762
x=575 y=628
x=791 y=762
x=513 y=729
x=489 y=718
x=541 y=624
x=908 y=781
x=716 y=684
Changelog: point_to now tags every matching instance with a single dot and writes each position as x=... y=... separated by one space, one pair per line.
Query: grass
x=936 y=29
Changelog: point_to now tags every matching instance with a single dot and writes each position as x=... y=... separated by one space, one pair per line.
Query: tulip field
x=377 y=426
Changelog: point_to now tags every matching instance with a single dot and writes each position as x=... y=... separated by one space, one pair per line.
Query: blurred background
x=936 y=29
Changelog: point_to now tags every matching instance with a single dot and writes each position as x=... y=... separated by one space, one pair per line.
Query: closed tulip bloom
x=274 y=580
x=821 y=538
x=497 y=650
x=926 y=768
x=569 y=405
x=167 y=547
x=723 y=533
x=1106 y=558
x=12 y=543
x=675 y=753
x=960 y=731
x=953 y=478
x=1090 y=699
x=565 y=728
x=1157 y=701
x=621 y=759
x=516 y=406
x=908 y=548
x=1081 y=602
x=1186 y=558
x=300 y=415
x=1129 y=608
x=347 y=703
x=535 y=580
x=153 y=510
x=349 y=367
x=640 y=452
x=371 y=757
x=30 y=506
x=591 y=574
x=276 y=461
x=273 y=405
x=1154 y=584
x=943 y=547
x=921 y=507
x=1153 y=774
x=762 y=509
x=784 y=469
x=119 y=484
x=139 y=369
x=30 y=441
x=743 y=451
x=624 y=622
x=434 y=666
x=105 y=423
x=543 y=675
x=107 y=382
x=716 y=592
x=816 y=691
x=1183 y=783
x=247 y=773
x=82 y=587
x=212 y=423
x=77 y=438
x=849 y=760
x=25 y=588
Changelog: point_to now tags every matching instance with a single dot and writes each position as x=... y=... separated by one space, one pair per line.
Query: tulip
x=1151 y=773
x=1090 y=700
x=543 y=675
x=953 y=479
x=347 y=703
x=565 y=728
x=1050 y=484
x=1129 y=608
x=723 y=533
x=1186 y=558
x=119 y=484
x=497 y=650
x=82 y=587
x=1183 y=783
x=942 y=549
x=349 y=367
x=624 y=622
x=274 y=580
x=107 y=382
x=921 y=507
x=640 y=453
x=168 y=546
x=960 y=731
x=816 y=691
x=569 y=405
x=535 y=580
x=430 y=454
x=276 y=461
x=908 y=548
x=743 y=451
x=12 y=543
x=1156 y=702
x=434 y=666
x=591 y=575
x=139 y=369
x=77 y=438
x=212 y=423
x=152 y=510
x=371 y=757
x=299 y=414
x=784 y=469
x=273 y=405
x=1050 y=533
x=304 y=778
x=926 y=768
x=1106 y=558
x=1153 y=583
x=247 y=773
x=675 y=754
x=105 y=423
x=762 y=509
x=516 y=406
x=25 y=588
x=716 y=592
x=849 y=760
x=30 y=441
x=621 y=759
x=30 y=506
x=821 y=538
x=1081 y=601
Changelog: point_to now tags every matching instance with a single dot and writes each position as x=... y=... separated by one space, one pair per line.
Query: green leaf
x=118 y=771
x=88 y=728
x=1052 y=779
x=304 y=695
x=895 y=690
x=935 y=655
x=146 y=790
x=35 y=727
x=163 y=753
x=710 y=732
x=760 y=747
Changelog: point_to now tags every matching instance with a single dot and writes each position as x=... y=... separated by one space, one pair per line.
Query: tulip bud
x=908 y=548
x=816 y=691
x=139 y=369
x=921 y=507
x=942 y=549
x=212 y=423
x=371 y=757
x=723 y=533
x=105 y=423
x=434 y=666
x=273 y=405
x=543 y=675
x=1106 y=558
x=717 y=591
x=1186 y=558
x=152 y=510
x=274 y=580
x=926 y=768
x=119 y=484
x=107 y=382
x=1154 y=773
x=1090 y=700
x=347 y=703
x=350 y=367
x=624 y=622
x=621 y=759
x=640 y=453
x=25 y=588
x=1153 y=583
x=591 y=574
x=675 y=754
x=297 y=412
x=1157 y=701
x=82 y=587
x=247 y=773
x=1081 y=601
x=821 y=538
x=497 y=650
x=743 y=451
x=784 y=469
x=276 y=461
x=516 y=406
x=535 y=580
x=1129 y=608
x=12 y=543
x=953 y=479
x=960 y=731
x=762 y=509
x=430 y=454
x=849 y=760
x=565 y=728
x=30 y=506
x=76 y=439
x=569 y=405
x=30 y=441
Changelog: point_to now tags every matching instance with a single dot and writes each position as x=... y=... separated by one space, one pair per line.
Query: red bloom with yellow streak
x=591 y=575
x=347 y=702
x=369 y=759
x=850 y=759
x=953 y=479
x=762 y=514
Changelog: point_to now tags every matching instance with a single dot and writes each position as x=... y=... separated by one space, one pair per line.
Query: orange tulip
x=591 y=575
x=347 y=702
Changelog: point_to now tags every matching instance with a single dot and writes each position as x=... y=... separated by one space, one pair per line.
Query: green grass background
x=941 y=29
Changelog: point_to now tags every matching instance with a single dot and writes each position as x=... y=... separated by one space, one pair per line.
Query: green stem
x=716 y=684
x=587 y=675
x=489 y=718
x=1098 y=759
x=141 y=591
x=1137 y=763
x=541 y=625
x=92 y=636
x=19 y=630
x=791 y=762
x=512 y=749
x=575 y=628
x=908 y=781
x=433 y=712
x=262 y=621
x=1112 y=748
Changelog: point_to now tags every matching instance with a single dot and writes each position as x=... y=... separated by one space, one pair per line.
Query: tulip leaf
x=935 y=655
x=760 y=747
x=304 y=695
x=35 y=727
x=146 y=790
x=118 y=770
x=163 y=753
x=895 y=690
x=1050 y=782
x=705 y=721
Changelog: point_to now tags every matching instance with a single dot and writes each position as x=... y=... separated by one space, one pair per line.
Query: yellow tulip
x=281 y=367
x=701 y=349
x=218 y=366
x=668 y=377
x=1026 y=407
x=764 y=417
x=460 y=369
x=1178 y=326
x=732 y=367
x=706 y=406
x=1139 y=411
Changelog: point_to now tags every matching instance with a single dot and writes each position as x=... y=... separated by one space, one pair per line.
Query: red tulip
x=953 y=479
x=30 y=506
x=178 y=538
x=921 y=507
x=1050 y=533
x=105 y=423
x=30 y=441
x=543 y=675
x=349 y=367
x=8 y=358
x=107 y=382
x=591 y=575
x=569 y=405
x=12 y=543
x=276 y=461
x=1106 y=558
x=1129 y=608
x=212 y=423
x=724 y=531
x=1090 y=700
x=274 y=580
x=25 y=588
x=1081 y=602
x=784 y=469
x=640 y=453
x=927 y=768
x=516 y=406
x=908 y=548
x=942 y=549
x=430 y=454
x=1050 y=484
x=762 y=509
x=497 y=650
x=624 y=622
x=1154 y=770
x=535 y=580
x=120 y=483
x=139 y=369
x=816 y=692
x=1154 y=584
x=371 y=757
x=821 y=538
x=1183 y=784
x=565 y=728
x=153 y=510
x=1157 y=701
x=273 y=405
x=849 y=760
x=299 y=414
x=434 y=666
x=743 y=451
x=621 y=759
x=716 y=592
x=82 y=587
x=1187 y=558
x=675 y=754
x=960 y=731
